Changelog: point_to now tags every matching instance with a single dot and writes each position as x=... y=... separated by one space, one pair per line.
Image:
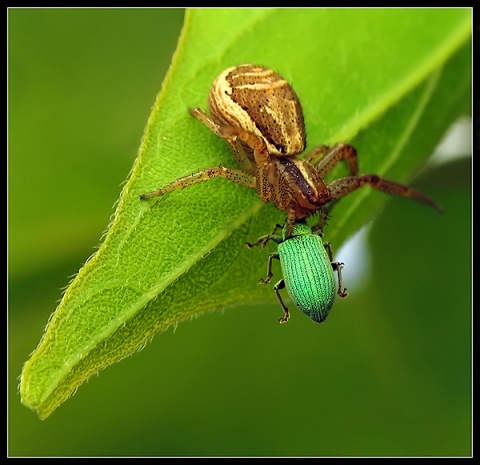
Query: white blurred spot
x=356 y=258
x=456 y=143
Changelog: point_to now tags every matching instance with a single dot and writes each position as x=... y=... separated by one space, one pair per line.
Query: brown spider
x=258 y=113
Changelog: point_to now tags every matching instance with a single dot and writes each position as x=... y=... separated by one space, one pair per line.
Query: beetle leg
x=341 y=187
x=263 y=240
x=328 y=248
x=337 y=266
x=276 y=288
x=324 y=159
x=269 y=268
x=234 y=175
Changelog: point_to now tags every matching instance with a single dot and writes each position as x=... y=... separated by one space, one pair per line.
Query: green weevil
x=308 y=270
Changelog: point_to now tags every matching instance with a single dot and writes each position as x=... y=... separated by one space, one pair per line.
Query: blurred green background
x=389 y=373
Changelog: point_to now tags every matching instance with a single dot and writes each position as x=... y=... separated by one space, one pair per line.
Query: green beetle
x=308 y=271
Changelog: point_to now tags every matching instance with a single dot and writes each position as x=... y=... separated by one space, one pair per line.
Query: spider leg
x=237 y=138
x=317 y=154
x=322 y=219
x=331 y=158
x=234 y=175
x=342 y=187
x=325 y=158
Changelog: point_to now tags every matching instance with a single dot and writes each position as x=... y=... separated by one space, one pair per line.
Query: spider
x=259 y=115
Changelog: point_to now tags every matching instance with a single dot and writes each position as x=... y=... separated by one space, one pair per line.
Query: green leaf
x=388 y=81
